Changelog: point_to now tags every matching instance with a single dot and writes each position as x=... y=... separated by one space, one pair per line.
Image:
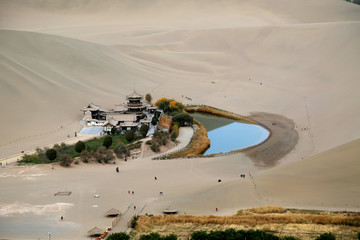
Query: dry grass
x=263 y=210
x=165 y=122
x=219 y=113
x=277 y=220
x=199 y=143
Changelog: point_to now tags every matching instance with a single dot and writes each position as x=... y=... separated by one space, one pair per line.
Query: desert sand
x=297 y=59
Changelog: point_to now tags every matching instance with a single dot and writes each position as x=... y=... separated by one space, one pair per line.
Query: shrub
x=183 y=119
x=155 y=147
x=107 y=141
x=41 y=153
x=133 y=222
x=80 y=146
x=31 y=158
x=51 y=154
x=130 y=135
x=148 y=142
x=173 y=136
x=85 y=156
x=326 y=236
x=233 y=234
x=108 y=156
x=76 y=162
x=161 y=137
x=113 y=130
x=57 y=147
x=144 y=130
x=175 y=128
x=65 y=160
x=120 y=150
x=118 y=236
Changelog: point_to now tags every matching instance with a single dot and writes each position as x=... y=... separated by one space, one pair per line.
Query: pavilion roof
x=128 y=124
x=145 y=120
x=112 y=211
x=134 y=95
x=111 y=122
x=120 y=108
x=123 y=117
x=95 y=231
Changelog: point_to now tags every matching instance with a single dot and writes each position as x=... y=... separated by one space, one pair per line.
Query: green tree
x=107 y=141
x=51 y=154
x=183 y=119
x=170 y=237
x=113 y=130
x=130 y=135
x=148 y=97
x=80 y=146
x=144 y=130
x=326 y=236
x=118 y=236
x=154 y=120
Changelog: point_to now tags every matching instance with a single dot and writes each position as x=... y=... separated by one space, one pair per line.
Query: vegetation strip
x=304 y=224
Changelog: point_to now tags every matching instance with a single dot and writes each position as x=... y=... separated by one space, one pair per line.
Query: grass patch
x=92 y=145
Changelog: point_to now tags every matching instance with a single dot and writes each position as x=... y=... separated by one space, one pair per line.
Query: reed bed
x=199 y=143
x=250 y=220
x=207 y=109
x=262 y=210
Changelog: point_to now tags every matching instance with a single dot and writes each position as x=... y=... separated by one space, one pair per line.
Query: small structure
x=62 y=194
x=95 y=232
x=113 y=212
x=170 y=210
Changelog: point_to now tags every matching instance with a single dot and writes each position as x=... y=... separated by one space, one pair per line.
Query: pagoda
x=135 y=103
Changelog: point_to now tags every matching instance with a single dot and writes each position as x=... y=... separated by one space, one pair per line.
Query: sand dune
x=329 y=179
x=298 y=59
x=306 y=62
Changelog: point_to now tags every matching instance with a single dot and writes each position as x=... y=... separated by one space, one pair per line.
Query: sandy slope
x=299 y=59
x=323 y=180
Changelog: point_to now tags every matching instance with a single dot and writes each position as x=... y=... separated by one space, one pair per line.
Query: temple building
x=126 y=116
x=135 y=103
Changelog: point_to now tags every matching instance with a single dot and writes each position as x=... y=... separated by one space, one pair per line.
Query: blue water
x=228 y=134
x=234 y=136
